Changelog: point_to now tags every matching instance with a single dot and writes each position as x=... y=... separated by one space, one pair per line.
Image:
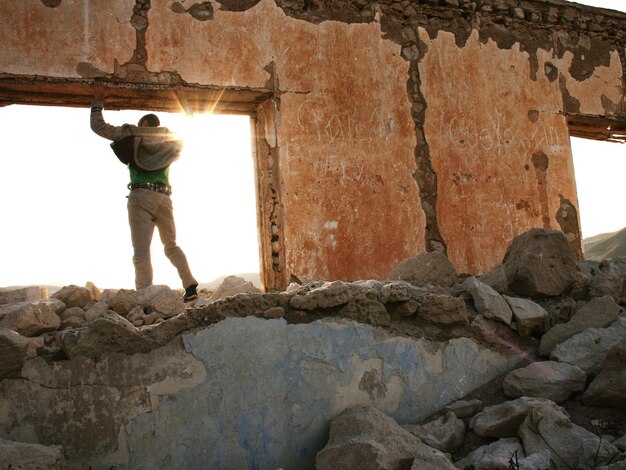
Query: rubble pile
x=564 y=318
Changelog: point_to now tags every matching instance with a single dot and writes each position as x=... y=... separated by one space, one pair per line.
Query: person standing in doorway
x=148 y=149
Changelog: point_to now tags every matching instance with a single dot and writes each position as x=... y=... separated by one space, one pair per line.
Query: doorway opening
x=64 y=199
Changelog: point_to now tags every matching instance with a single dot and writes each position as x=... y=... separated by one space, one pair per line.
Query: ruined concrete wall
x=263 y=393
x=392 y=127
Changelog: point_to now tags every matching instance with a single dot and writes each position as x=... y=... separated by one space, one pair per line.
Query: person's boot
x=191 y=293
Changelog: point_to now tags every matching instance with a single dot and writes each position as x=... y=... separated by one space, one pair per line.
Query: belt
x=158 y=187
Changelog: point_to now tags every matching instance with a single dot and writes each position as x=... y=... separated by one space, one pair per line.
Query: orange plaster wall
x=485 y=120
x=37 y=40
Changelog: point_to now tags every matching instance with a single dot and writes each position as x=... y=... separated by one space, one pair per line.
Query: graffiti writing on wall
x=497 y=136
x=351 y=125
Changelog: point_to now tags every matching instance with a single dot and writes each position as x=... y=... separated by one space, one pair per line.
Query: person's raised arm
x=98 y=124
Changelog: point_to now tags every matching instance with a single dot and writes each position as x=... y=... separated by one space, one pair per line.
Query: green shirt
x=159 y=176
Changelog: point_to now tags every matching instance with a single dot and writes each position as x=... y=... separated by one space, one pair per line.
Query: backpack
x=155 y=156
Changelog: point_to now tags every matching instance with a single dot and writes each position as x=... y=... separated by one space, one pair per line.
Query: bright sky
x=64 y=200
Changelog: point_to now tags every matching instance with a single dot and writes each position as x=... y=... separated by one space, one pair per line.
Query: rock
x=464 y=408
x=503 y=420
x=609 y=386
x=123 y=301
x=428 y=458
x=96 y=311
x=22 y=294
x=369 y=437
x=620 y=443
x=274 y=312
x=72 y=312
x=328 y=295
x=487 y=301
x=30 y=318
x=589 y=348
x=426 y=268
x=73 y=296
x=445 y=433
x=107 y=295
x=496 y=279
x=504 y=454
x=107 y=334
x=397 y=291
x=607 y=283
x=598 y=313
x=548 y=379
x=94 y=291
x=161 y=299
x=20 y=455
x=528 y=315
x=365 y=310
x=548 y=429
x=442 y=309
x=540 y=263
x=13 y=352
x=232 y=285
x=72 y=322
x=407 y=309
x=560 y=310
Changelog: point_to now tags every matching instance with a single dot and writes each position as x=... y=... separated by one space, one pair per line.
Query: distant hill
x=254 y=278
x=605 y=246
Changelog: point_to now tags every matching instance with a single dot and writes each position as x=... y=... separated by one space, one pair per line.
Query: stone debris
x=608 y=388
x=598 y=313
x=445 y=433
x=487 y=301
x=369 y=437
x=555 y=381
x=523 y=307
x=426 y=268
x=528 y=315
x=548 y=429
x=23 y=294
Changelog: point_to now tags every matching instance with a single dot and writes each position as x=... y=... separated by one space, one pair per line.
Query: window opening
x=599 y=168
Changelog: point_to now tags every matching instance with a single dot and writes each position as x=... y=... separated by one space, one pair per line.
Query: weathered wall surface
x=263 y=393
x=391 y=127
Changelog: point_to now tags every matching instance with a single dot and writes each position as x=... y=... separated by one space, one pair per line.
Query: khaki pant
x=147 y=209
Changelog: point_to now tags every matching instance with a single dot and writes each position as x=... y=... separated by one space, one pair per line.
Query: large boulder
x=598 y=313
x=21 y=455
x=429 y=458
x=487 y=301
x=549 y=429
x=504 y=419
x=548 y=379
x=609 y=386
x=589 y=348
x=540 y=263
x=121 y=301
x=366 y=437
x=426 y=268
x=31 y=318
